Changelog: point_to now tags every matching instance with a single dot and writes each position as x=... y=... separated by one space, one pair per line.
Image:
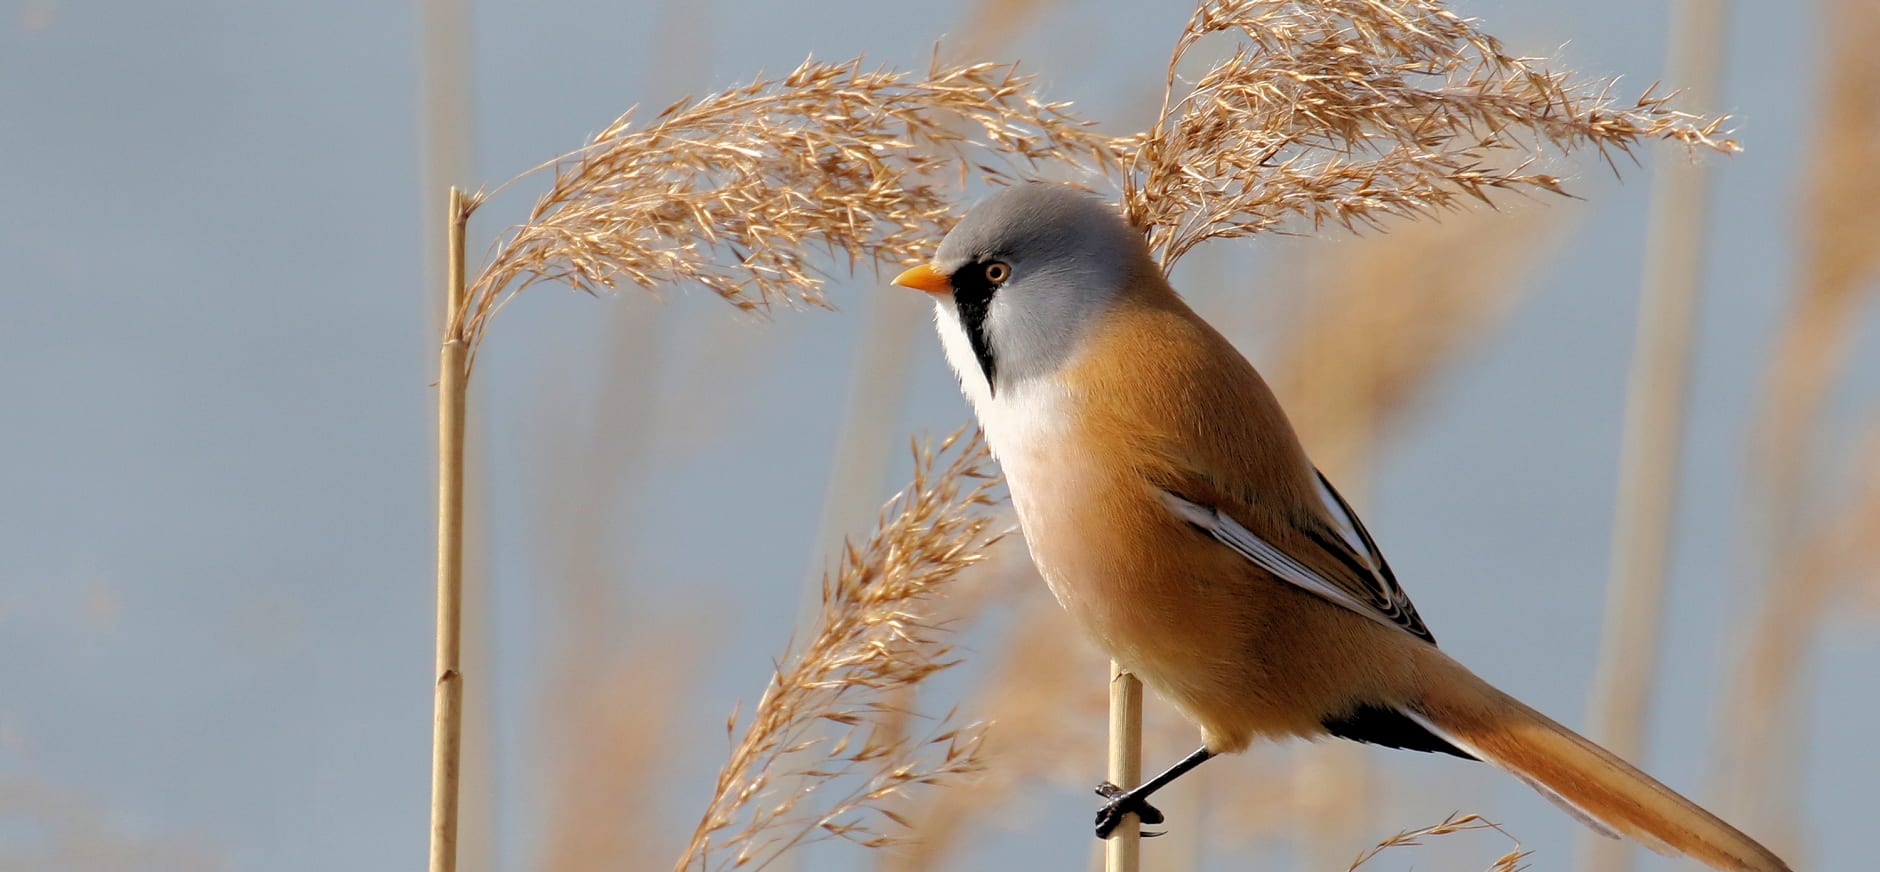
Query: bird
x=1174 y=514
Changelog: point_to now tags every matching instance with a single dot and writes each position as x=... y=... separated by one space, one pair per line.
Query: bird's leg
x=1136 y=801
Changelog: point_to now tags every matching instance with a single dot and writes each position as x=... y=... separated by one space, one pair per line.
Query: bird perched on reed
x=1170 y=507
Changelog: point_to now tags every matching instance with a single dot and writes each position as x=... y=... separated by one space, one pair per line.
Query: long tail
x=1588 y=781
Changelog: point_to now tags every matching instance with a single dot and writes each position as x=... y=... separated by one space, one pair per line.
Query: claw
x=1122 y=802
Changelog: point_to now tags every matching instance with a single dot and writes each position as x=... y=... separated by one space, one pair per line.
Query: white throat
x=1026 y=423
x=1027 y=412
x=1019 y=375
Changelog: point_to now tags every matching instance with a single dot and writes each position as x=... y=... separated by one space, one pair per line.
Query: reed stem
x=447 y=720
x=1654 y=427
x=1122 y=851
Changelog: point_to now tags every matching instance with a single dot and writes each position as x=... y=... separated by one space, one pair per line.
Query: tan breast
x=1155 y=396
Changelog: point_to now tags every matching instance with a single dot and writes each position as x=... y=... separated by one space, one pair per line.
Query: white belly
x=1043 y=481
x=1027 y=425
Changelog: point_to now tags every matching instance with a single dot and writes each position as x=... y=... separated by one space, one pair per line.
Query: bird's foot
x=1122 y=802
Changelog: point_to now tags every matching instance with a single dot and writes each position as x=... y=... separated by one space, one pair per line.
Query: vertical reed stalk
x=1654 y=426
x=1122 y=852
x=446 y=108
x=447 y=721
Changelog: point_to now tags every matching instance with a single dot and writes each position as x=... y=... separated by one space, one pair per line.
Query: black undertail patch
x=1382 y=725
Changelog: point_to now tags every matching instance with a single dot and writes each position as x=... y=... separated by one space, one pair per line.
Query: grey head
x=1029 y=269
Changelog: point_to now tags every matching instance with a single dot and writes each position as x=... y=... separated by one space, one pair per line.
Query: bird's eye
x=997 y=272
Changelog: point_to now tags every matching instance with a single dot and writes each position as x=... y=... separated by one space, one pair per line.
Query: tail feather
x=1586 y=780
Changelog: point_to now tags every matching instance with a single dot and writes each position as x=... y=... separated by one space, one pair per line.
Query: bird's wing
x=1170 y=397
x=1337 y=561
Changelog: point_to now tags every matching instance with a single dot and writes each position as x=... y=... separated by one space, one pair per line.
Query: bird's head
x=1022 y=276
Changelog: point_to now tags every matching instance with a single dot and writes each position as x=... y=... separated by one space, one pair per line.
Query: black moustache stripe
x=972 y=295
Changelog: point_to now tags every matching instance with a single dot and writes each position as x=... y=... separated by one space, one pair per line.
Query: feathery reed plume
x=1044 y=720
x=938 y=819
x=1348 y=111
x=1455 y=823
x=735 y=190
x=876 y=633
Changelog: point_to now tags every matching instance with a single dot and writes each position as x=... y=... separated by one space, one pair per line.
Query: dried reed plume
x=1045 y=721
x=1348 y=111
x=876 y=633
x=736 y=190
x=1513 y=861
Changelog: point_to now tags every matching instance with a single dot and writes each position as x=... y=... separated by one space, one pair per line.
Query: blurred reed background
x=653 y=476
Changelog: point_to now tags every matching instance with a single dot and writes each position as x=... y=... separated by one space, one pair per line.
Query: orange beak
x=925 y=278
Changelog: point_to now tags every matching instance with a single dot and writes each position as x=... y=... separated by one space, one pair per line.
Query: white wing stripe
x=1229 y=532
x=1347 y=527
